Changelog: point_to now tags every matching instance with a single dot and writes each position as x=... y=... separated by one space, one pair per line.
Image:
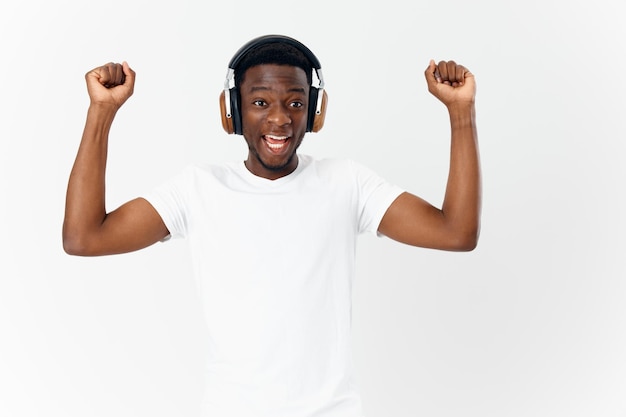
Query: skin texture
x=274 y=111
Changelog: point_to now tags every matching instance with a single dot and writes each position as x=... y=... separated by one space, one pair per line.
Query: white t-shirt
x=274 y=262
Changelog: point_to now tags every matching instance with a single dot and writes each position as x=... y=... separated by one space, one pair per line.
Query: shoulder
x=332 y=165
x=206 y=171
x=191 y=179
x=342 y=172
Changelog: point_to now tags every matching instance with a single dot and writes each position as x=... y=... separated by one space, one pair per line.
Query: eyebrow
x=291 y=90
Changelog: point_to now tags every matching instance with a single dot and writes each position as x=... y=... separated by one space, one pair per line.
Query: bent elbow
x=73 y=246
x=468 y=245
x=76 y=244
x=472 y=242
x=466 y=242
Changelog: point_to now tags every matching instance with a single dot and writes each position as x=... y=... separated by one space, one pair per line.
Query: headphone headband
x=262 y=40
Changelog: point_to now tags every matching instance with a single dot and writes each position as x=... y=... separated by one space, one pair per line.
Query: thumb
x=129 y=75
x=468 y=78
x=433 y=79
x=96 y=80
x=94 y=76
x=432 y=75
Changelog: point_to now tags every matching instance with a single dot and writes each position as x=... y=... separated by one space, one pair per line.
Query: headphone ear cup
x=313 y=94
x=316 y=121
x=234 y=109
x=227 y=122
x=231 y=124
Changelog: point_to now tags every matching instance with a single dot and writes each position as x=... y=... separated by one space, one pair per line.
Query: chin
x=279 y=165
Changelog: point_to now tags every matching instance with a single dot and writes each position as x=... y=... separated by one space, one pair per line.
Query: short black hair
x=279 y=53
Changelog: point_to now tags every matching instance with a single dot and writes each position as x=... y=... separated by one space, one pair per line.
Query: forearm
x=85 y=200
x=462 y=203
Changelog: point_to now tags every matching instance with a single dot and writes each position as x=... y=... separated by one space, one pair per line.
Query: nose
x=279 y=115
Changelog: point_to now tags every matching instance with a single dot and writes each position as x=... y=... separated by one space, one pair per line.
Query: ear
x=318 y=121
x=227 y=122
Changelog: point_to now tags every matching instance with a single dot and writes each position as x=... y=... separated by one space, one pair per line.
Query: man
x=273 y=238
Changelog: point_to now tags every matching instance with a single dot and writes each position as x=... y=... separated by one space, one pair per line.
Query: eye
x=297 y=104
x=259 y=103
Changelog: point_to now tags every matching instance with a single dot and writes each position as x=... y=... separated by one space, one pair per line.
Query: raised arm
x=88 y=229
x=456 y=225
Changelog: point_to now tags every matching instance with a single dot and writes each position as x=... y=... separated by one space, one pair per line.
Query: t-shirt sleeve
x=375 y=195
x=170 y=200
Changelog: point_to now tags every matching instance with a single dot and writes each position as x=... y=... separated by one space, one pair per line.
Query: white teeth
x=275 y=142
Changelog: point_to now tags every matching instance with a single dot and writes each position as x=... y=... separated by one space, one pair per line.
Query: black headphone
x=229 y=98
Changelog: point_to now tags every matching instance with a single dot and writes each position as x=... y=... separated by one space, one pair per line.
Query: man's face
x=274 y=106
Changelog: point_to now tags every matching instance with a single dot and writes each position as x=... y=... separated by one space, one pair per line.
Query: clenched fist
x=450 y=82
x=111 y=84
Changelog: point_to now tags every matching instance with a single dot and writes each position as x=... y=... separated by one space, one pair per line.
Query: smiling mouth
x=276 y=143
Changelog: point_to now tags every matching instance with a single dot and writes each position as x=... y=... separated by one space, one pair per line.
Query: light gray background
x=532 y=323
